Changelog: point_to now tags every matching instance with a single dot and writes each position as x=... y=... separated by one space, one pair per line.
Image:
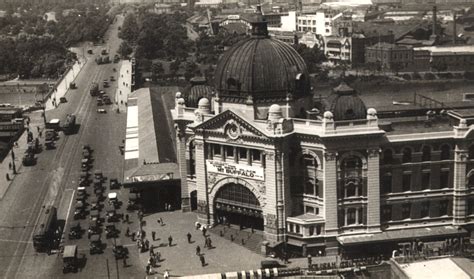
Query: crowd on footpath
x=11 y=165
x=145 y=245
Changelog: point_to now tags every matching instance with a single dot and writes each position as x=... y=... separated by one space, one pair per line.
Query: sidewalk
x=36 y=120
x=181 y=260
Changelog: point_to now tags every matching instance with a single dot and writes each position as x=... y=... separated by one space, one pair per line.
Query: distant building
x=454 y=58
x=162 y=8
x=390 y=56
x=125 y=83
x=338 y=49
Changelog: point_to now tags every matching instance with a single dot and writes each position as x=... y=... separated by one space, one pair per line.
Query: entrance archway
x=236 y=204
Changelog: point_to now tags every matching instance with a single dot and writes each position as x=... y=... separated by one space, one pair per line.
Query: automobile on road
x=95 y=244
x=70 y=258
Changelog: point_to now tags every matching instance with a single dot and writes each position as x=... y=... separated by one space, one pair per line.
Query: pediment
x=232 y=125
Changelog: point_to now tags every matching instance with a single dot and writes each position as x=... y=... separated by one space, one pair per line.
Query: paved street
x=53 y=179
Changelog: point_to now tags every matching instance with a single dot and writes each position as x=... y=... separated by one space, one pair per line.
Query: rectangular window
x=309 y=210
x=351 y=216
x=229 y=151
x=216 y=150
x=444 y=179
x=256 y=155
x=425 y=180
x=387 y=183
x=406 y=183
x=406 y=208
x=309 y=187
x=242 y=153
x=443 y=208
x=361 y=216
x=425 y=209
x=386 y=213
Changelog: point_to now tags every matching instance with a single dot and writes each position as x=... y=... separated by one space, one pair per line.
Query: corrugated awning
x=402 y=234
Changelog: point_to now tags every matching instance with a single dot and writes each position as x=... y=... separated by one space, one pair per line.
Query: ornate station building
x=258 y=154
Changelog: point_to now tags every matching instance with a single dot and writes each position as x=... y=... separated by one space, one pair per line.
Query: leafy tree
x=396 y=67
x=313 y=57
x=129 y=31
x=125 y=49
x=157 y=69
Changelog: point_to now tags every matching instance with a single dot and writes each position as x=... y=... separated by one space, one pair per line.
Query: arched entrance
x=236 y=204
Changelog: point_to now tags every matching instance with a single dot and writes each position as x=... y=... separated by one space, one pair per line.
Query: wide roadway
x=54 y=179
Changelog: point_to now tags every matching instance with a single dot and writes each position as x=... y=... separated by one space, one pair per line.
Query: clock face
x=233 y=131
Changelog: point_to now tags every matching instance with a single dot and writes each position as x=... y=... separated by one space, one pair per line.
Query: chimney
x=434 y=21
x=455 y=34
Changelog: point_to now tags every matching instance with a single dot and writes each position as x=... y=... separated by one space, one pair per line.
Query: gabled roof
x=256 y=127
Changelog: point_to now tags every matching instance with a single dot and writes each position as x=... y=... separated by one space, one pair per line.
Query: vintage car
x=94 y=227
x=114 y=184
x=119 y=250
x=70 y=263
x=95 y=245
x=75 y=231
x=111 y=231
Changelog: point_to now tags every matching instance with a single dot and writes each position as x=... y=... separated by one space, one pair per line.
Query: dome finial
x=259 y=23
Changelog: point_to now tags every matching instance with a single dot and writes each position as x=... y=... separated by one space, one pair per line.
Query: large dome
x=265 y=69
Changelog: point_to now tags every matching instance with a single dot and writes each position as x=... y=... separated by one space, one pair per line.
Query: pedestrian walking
x=147 y=244
x=8 y=177
x=210 y=242
x=147 y=268
x=158 y=256
x=166 y=275
x=170 y=240
x=203 y=261
x=10 y=165
x=198 y=250
x=161 y=221
x=204 y=230
x=189 y=237
x=153 y=235
x=127 y=232
x=310 y=260
x=206 y=243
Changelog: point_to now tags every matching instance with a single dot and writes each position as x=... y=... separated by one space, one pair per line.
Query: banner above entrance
x=237 y=170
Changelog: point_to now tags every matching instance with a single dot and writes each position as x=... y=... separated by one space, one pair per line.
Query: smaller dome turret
x=204 y=106
x=345 y=104
x=328 y=115
x=275 y=112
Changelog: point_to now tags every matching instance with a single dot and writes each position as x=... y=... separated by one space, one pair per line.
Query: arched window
x=445 y=152
x=426 y=153
x=387 y=156
x=406 y=158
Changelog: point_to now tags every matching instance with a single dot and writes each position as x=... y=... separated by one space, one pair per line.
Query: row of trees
x=155 y=36
x=34 y=46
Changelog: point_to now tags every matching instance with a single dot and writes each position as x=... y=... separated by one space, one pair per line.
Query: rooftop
x=144 y=161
